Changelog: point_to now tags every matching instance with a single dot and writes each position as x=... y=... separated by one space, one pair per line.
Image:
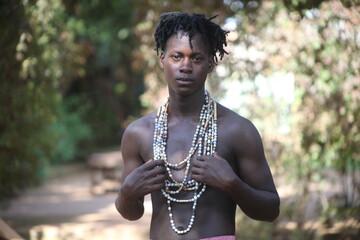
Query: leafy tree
x=316 y=43
x=38 y=56
x=113 y=78
x=74 y=70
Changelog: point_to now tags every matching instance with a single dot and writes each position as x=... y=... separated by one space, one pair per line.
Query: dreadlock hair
x=212 y=34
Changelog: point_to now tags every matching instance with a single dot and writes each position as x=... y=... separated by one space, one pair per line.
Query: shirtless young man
x=197 y=167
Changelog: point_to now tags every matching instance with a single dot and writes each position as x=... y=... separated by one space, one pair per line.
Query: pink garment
x=220 y=238
x=228 y=237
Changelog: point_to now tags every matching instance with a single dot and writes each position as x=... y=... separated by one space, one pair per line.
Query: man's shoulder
x=231 y=119
x=236 y=130
x=143 y=121
x=141 y=125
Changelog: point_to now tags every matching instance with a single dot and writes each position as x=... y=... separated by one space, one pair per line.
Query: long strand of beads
x=196 y=195
x=204 y=142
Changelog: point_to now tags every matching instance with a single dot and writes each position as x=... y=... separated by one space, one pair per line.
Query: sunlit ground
x=64 y=208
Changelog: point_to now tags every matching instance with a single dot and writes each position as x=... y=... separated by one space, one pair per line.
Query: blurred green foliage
x=315 y=45
x=76 y=72
x=111 y=81
x=70 y=130
x=32 y=73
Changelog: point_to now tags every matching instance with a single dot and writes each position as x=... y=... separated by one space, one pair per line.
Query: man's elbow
x=268 y=214
x=273 y=216
x=273 y=212
x=131 y=217
x=128 y=214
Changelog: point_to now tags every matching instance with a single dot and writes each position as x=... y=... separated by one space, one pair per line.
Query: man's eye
x=197 y=59
x=176 y=57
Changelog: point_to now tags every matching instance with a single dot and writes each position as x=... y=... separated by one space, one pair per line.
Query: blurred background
x=75 y=73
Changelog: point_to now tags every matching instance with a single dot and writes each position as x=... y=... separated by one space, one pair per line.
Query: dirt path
x=64 y=208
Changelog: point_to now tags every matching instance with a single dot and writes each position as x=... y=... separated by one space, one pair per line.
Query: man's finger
x=202 y=158
x=152 y=163
x=216 y=154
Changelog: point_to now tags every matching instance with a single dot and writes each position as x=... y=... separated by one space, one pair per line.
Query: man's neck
x=186 y=106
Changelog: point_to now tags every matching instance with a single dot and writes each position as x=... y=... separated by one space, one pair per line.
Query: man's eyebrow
x=176 y=51
x=192 y=54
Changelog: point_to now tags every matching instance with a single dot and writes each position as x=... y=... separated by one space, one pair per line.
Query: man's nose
x=186 y=66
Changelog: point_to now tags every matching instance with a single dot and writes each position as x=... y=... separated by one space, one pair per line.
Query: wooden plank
x=7 y=233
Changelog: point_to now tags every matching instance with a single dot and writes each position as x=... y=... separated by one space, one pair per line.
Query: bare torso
x=215 y=211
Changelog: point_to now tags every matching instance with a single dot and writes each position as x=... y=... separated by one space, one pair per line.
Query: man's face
x=185 y=68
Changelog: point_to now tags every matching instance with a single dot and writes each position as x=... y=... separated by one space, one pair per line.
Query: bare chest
x=180 y=140
x=181 y=145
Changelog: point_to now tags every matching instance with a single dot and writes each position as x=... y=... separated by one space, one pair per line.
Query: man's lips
x=184 y=80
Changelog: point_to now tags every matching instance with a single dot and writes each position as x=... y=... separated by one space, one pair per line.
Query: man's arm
x=255 y=179
x=138 y=178
x=253 y=188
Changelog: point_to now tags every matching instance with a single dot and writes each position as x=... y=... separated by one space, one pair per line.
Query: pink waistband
x=229 y=237
x=220 y=238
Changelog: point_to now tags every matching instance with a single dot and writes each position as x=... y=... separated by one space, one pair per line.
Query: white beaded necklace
x=204 y=143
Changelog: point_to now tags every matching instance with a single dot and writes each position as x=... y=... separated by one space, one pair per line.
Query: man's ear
x=161 y=60
x=211 y=66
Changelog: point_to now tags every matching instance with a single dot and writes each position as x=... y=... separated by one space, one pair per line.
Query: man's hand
x=213 y=170
x=145 y=179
